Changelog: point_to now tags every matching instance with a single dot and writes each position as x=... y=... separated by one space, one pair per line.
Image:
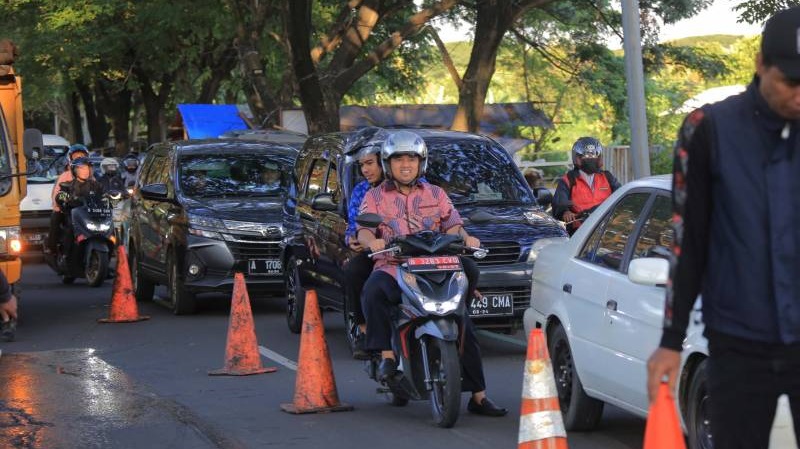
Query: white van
x=37 y=205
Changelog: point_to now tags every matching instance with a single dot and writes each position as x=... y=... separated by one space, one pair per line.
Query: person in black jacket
x=74 y=193
x=735 y=206
x=111 y=178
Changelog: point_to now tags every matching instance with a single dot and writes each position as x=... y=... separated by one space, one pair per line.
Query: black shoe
x=359 y=347
x=8 y=330
x=485 y=408
x=387 y=369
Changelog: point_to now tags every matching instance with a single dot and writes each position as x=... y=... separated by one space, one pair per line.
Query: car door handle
x=611 y=305
x=567 y=288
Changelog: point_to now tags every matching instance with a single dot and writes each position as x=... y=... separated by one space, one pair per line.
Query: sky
x=719 y=18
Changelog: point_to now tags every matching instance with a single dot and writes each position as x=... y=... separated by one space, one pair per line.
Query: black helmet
x=75 y=148
x=78 y=162
x=131 y=164
x=586 y=147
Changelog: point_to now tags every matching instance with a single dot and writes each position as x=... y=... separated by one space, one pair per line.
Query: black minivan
x=480 y=178
x=206 y=209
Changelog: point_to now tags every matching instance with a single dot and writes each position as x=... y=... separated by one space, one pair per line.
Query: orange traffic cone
x=241 y=350
x=315 y=388
x=540 y=422
x=663 y=429
x=123 y=301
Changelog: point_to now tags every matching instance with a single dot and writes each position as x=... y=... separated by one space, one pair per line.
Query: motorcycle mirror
x=369 y=220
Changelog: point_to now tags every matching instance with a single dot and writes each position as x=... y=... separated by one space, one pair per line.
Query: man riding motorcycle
x=584 y=187
x=111 y=178
x=81 y=186
x=131 y=164
x=76 y=151
x=408 y=206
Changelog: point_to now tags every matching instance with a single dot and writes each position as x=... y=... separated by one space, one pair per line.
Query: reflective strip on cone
x=539 y=382
x=541 y=425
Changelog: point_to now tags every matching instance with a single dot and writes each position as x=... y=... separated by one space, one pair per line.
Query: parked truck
x=15 y=145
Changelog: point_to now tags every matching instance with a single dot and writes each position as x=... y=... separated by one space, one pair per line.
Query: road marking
x=503 y=338
x=274 y=356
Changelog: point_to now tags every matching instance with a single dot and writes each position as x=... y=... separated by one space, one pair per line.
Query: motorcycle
x=427 y=323
x=88 y=238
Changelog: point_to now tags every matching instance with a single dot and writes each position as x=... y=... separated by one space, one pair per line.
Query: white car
x=600 y=299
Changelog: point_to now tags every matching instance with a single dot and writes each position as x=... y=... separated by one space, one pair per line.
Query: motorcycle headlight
x=98 y=227
x=541 y=243
x=438 y=306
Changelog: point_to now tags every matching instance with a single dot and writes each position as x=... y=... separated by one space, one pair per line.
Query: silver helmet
x=404 y=142
x=586 y=147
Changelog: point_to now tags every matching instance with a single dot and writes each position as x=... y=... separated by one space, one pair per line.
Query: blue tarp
x=210 y=120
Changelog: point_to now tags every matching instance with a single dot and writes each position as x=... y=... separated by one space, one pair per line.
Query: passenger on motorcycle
x=131 y=164
x=409 y=206
x=111 y=178
x=81 y=186
x=584 y=187
x=76 y=150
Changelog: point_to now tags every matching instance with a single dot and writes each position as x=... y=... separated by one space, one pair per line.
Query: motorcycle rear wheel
x=446 y=374
x=97 y=268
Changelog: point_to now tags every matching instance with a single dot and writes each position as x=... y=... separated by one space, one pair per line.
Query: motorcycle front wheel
x=97 y=268
x=445 y=373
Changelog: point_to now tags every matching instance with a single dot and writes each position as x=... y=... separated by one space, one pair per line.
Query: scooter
x=427 y=323
x=88 y=238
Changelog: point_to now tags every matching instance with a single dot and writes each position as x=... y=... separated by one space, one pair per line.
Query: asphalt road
x=73 y=382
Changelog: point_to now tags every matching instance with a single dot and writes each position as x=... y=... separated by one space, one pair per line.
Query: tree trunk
x=98 y=128
x=220 y=70
x=262 y=105
x=75 y=132
x=154 y=105
x=321 y=106
x=118 y=104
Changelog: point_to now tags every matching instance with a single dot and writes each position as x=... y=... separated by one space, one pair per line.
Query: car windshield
x=474 y=171
x=232 y=175
x=45 y=170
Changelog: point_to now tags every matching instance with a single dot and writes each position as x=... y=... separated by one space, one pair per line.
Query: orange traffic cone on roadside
x=123 y=302
x=540 y=423
x=241 y=350
x=315 y=387
x=663 y=429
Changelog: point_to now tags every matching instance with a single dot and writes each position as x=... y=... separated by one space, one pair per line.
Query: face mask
x=590 y=166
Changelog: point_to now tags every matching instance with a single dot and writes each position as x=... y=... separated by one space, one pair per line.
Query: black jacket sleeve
x=691 y=206
x=613 y=182
x=561 y=199
x=5 y=289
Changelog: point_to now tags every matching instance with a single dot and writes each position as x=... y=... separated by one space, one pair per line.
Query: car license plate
x=433 y=263
x=492 y=305
x=264 y=266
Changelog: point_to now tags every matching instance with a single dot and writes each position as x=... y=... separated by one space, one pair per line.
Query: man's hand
x=663 y=362
x=472 y=241
x=568 y=216
x=8 y=309
x=355 y=246
x=377 y=245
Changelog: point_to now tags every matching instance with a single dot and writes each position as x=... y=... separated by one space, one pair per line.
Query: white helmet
x=404 y=142
x=109 y=164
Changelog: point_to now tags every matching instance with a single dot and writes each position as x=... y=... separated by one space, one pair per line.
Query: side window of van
x=316 y=179
x=332 y=186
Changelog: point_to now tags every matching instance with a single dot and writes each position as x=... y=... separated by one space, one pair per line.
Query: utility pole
x=634 y=74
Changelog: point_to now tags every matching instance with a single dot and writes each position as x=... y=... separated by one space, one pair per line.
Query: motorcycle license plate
x=492 y=305
x=433 y=263
x=33 y=238
x=263 y=267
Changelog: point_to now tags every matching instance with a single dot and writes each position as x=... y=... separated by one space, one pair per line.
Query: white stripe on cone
x=539 y=381
x=541 y=425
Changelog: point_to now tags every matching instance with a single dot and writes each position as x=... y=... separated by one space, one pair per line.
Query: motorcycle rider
x=111 y=178
x=81 y=186
x=131 y=164
x=8 y=309
x=410 y=206
x=76 y=150
x=585 y=186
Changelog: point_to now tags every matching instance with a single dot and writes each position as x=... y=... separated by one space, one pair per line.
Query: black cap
x=780 y=42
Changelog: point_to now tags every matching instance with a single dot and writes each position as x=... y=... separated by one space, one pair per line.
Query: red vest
x=582 y=195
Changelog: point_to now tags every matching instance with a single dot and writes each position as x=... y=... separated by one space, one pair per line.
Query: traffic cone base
x=241 y=350
x=540 y=423
x=123 y=302
x=663 y=428
x=315 y=387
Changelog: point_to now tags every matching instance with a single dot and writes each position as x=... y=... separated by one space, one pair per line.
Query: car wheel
x=580 y=411
x=295 y=297
x=183 y=302
x=143 y=288
x=698 y=422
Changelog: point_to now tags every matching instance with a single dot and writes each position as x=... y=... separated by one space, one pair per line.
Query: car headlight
x=541 y=243
x=205 y=226
x=10 y=241
x=98 y=227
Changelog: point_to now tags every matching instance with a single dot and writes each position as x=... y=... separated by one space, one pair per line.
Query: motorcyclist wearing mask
x=111 y=178
x=81 y=186
x=585 y=186
x=131 y=165
x=76 y=151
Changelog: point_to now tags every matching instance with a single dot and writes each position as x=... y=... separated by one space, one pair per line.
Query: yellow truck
x=15 y=145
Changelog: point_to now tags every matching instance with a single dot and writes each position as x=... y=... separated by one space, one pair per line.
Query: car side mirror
x=323 y=202
x=156 y=192
x=32 y=143
x=544 y=197
x=370 y=221
x=649 y=271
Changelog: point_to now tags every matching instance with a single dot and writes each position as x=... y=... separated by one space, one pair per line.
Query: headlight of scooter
x=458 y=285
x=98 y=226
